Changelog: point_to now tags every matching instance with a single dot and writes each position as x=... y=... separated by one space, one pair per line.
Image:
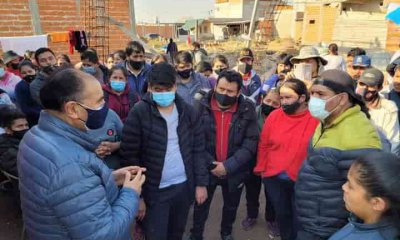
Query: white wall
x=360 y=29
x=228 y=10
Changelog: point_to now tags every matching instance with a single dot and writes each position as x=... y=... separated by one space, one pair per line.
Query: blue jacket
x=66 y=191
x=354 y=230
x=189 y=90
x=138 y=84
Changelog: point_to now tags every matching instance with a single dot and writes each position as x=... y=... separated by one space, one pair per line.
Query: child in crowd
x=372 y=195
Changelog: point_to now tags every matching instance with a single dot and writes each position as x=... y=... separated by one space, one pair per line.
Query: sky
x=172 y=10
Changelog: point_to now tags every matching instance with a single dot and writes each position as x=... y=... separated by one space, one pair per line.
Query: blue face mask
x=2 y=72
x=89 y=70
x=117 y=86
x=96 y=117
x=316 y=106
x=163 y=99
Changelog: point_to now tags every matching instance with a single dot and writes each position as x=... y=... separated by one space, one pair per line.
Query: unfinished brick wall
x=56 y=16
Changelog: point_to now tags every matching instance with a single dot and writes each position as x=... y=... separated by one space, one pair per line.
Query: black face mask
x=267 y=109
x=291 y=108
x=49 y=69
x=14 y=66
x=29 y=78
x=244 y=68
x=185 y=74
x=369 y=96
x=225 y=100
x=219 y=70
x=136 y=65
x=19 y=134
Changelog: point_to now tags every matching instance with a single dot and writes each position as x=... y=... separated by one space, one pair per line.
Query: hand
x=201 y=195
x=141 y=211
x=136 y=183
x=220 y=170
x=107 y=148
x=101 y=152
x=290 y=75
x=119 y=174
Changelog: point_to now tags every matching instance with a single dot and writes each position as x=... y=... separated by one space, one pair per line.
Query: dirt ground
x=11 y=222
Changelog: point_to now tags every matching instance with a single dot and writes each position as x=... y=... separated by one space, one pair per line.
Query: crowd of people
x=123 y=149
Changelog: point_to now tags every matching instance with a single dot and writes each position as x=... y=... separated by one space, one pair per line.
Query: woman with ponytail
x=372 y=195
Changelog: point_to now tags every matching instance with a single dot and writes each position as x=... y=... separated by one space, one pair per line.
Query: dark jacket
x=8 y=154
x=28 y=106
x=144 y=143
x=138 y=84
x=319 y=195
x=243 y=138
x=36 y=85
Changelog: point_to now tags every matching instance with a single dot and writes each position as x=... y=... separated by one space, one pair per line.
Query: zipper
x=222 y=134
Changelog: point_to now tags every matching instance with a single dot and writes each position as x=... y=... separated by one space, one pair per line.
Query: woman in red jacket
x=282 y=149
x=117 y=93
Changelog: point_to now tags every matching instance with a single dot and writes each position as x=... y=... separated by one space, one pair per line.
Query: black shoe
x=227 y=237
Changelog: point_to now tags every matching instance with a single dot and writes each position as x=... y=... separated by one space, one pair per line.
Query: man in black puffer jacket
x=231 y=130
x=163 y=134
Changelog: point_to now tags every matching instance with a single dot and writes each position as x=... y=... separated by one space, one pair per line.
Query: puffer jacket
x=144 y=143
x=319 y=195
x=242 y=140
x=66 y=191
x=36 y=85
x=253 y=90
x=8 y=153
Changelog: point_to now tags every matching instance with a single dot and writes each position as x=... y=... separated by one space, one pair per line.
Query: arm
x=8 y=161
x=82 y=204
x=24 y=102
x=247 y=150
x=131 y=143
x=35 y=87
x=200 y=155
x=262 y=148
x=393 y=133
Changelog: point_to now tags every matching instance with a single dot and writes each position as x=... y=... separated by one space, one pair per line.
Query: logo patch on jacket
x=110 y=132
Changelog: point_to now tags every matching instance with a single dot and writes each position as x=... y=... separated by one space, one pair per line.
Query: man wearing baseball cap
x=360 y=64
x=251 y=86
x=383 y=112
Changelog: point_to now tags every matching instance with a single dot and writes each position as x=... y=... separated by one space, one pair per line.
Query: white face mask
x=317 y=108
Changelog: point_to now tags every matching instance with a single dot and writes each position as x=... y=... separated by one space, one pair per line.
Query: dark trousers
x=231 y=204
x=253 y=189
x=281 y=193
x=166 y=212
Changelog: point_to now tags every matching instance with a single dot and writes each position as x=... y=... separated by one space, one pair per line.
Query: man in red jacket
x=230 y=126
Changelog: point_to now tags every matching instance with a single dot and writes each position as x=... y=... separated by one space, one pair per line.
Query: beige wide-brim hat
x=307 y=53
x=10 y=56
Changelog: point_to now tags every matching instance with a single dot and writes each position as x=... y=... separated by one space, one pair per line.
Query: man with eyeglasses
x=137 y=67
x=360 y=64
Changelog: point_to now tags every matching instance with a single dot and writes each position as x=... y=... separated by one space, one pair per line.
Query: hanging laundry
x=72 y=41
x=58 y=37
x=21 y=44
x=81 y=41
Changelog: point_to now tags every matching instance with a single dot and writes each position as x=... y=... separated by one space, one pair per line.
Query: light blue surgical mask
x=163 y=99
x=2 y=72
x=89 y=70
x=117 y=86
x=317 y=106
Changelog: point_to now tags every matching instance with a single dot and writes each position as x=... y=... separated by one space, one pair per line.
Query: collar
x=385 y=222
x=351 y=111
